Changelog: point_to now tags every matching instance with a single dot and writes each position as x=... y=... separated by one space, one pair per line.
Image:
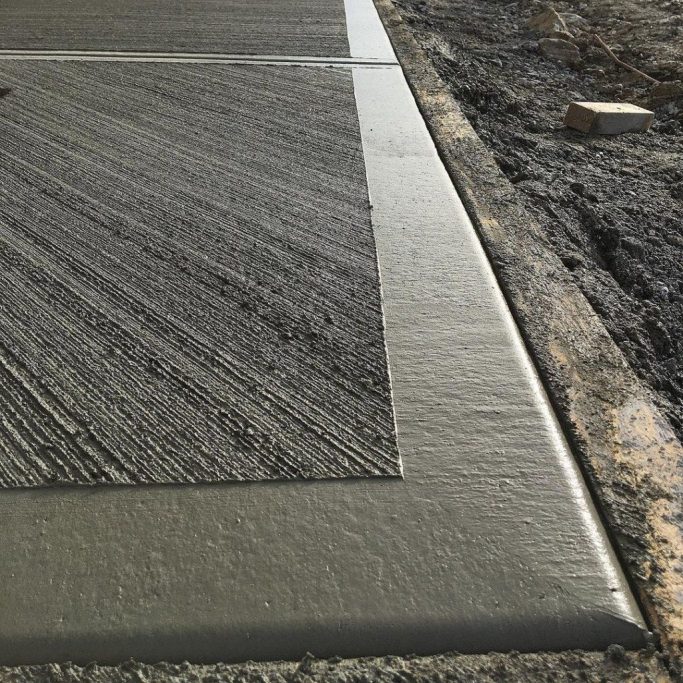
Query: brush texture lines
x=275 y=27
x=188 y=279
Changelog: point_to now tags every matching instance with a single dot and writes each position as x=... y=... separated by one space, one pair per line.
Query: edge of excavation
x=625 y=447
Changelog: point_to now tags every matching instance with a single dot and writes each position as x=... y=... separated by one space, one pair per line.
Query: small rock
x=5 y=91
x=562 y=35
x=666 y=92
x=547 y=23
x=615 y=653
x=662 y=291
x=633 y=247
x=306 y=664
x=572 y=261
x=611 y=88
x=573 y=20
x=560 y=50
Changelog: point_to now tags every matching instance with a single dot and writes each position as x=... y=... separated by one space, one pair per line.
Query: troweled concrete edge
x=623 y=443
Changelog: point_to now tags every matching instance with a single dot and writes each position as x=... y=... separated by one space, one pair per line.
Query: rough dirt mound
x=612 y=207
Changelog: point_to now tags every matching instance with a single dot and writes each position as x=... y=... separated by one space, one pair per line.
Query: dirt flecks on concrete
x=614 y=666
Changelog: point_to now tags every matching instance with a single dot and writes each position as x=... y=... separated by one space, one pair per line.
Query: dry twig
x=618 y=61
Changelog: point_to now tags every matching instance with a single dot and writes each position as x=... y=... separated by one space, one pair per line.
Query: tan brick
x=608 y=118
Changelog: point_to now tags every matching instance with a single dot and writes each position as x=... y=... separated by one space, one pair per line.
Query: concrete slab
x=489 y=543
x=190 y=282
x=267 y=27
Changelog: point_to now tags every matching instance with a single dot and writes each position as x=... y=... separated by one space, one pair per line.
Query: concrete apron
x=490 y=542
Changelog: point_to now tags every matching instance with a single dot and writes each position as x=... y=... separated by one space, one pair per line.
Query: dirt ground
x=611 y=206
x=610 y=667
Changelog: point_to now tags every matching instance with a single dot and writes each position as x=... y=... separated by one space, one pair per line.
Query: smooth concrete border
x=366 y=34
x=627 y=449
x=489 y=543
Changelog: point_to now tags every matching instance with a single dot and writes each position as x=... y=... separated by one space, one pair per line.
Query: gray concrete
x=367 y=37
x=489 y=543
x=289 y=27
x=190 y=282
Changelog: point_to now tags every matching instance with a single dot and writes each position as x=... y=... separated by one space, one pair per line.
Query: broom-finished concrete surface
x=277 y=27
x=167 y=326
x=490 y=541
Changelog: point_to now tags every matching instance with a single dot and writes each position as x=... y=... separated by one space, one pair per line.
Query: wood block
x=608 y=118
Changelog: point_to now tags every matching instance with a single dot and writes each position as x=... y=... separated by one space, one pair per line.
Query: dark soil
x=611 y=206
x=615 y=665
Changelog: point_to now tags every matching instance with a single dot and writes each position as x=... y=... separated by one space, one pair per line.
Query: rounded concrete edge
x=622 y=442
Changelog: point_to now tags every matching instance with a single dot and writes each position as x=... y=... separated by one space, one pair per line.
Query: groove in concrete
x=197 y=57
x=190 y=285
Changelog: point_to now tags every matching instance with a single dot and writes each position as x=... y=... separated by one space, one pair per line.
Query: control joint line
x=183 y=57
